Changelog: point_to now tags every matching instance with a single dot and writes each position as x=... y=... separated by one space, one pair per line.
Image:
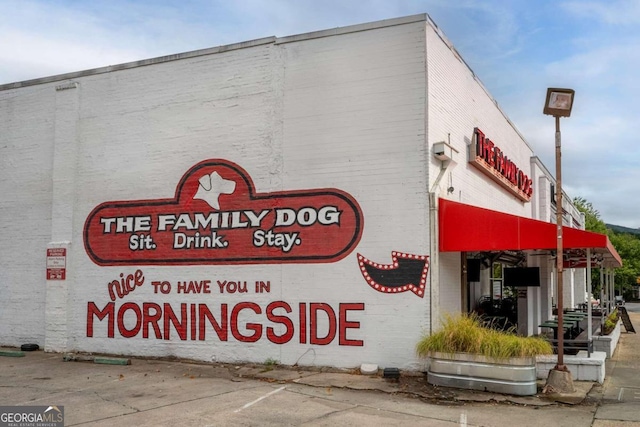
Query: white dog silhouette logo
x=212 y=186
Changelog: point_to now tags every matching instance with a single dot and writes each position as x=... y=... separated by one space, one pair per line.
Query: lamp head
x=559 y=102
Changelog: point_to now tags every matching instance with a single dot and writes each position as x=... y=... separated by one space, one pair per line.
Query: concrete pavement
x=159 y=392
x=620 y=394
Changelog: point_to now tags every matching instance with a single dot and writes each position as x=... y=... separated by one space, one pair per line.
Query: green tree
x=595 y=224
x=626 y=244
x=592 y=216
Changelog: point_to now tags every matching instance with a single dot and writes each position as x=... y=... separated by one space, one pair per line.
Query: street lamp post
x=558 y=104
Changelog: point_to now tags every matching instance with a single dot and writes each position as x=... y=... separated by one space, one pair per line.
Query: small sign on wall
x=56 y=263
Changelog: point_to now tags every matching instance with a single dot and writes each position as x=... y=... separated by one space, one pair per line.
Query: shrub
x=610 y=322
x=464 y=333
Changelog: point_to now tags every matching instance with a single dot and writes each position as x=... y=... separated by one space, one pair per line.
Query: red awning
x=466 y=228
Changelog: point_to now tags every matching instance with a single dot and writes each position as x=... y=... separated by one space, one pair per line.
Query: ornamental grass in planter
x=464 y=333
x=464 y=354
x=610 y=322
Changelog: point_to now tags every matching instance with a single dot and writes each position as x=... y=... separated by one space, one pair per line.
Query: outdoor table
x=573 y=318
x=553 y=324
x=575 y=315
x=577 y=318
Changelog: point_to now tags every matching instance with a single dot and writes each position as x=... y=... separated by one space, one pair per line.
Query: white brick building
x=279 y=166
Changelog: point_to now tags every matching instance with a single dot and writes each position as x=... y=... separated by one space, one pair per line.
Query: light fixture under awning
x=466 y=228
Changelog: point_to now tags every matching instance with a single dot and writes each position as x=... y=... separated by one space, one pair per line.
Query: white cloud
x=625 y=12
x=56 y=55
x=517 y=49
x=52 y=38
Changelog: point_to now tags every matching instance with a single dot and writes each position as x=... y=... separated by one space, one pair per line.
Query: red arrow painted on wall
x=407 y=272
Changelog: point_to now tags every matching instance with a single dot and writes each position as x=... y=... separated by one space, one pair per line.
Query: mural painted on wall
x=407 y=272
x=216 y=217
x=278 y=322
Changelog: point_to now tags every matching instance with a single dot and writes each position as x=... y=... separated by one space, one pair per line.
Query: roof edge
x=421 y=17
x=219 y=49
x=135 y=64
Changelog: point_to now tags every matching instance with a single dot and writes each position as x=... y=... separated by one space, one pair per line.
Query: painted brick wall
x=457 y=104
x=344 y=112
x=356 y=108
x=142 y=129
x=26 y=168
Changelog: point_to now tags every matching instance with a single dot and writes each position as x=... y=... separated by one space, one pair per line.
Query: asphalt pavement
x=180 y=393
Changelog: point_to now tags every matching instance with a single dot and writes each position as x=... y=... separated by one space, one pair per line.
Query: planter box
x=515 y=376
x=582 y=366
x=607 y=343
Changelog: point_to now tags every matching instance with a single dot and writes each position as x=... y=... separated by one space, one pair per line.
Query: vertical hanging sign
x=56 y=263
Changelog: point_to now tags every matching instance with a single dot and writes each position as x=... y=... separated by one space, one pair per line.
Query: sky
x=517 y=48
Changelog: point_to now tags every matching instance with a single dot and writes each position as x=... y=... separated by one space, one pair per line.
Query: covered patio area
x=519 y=241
